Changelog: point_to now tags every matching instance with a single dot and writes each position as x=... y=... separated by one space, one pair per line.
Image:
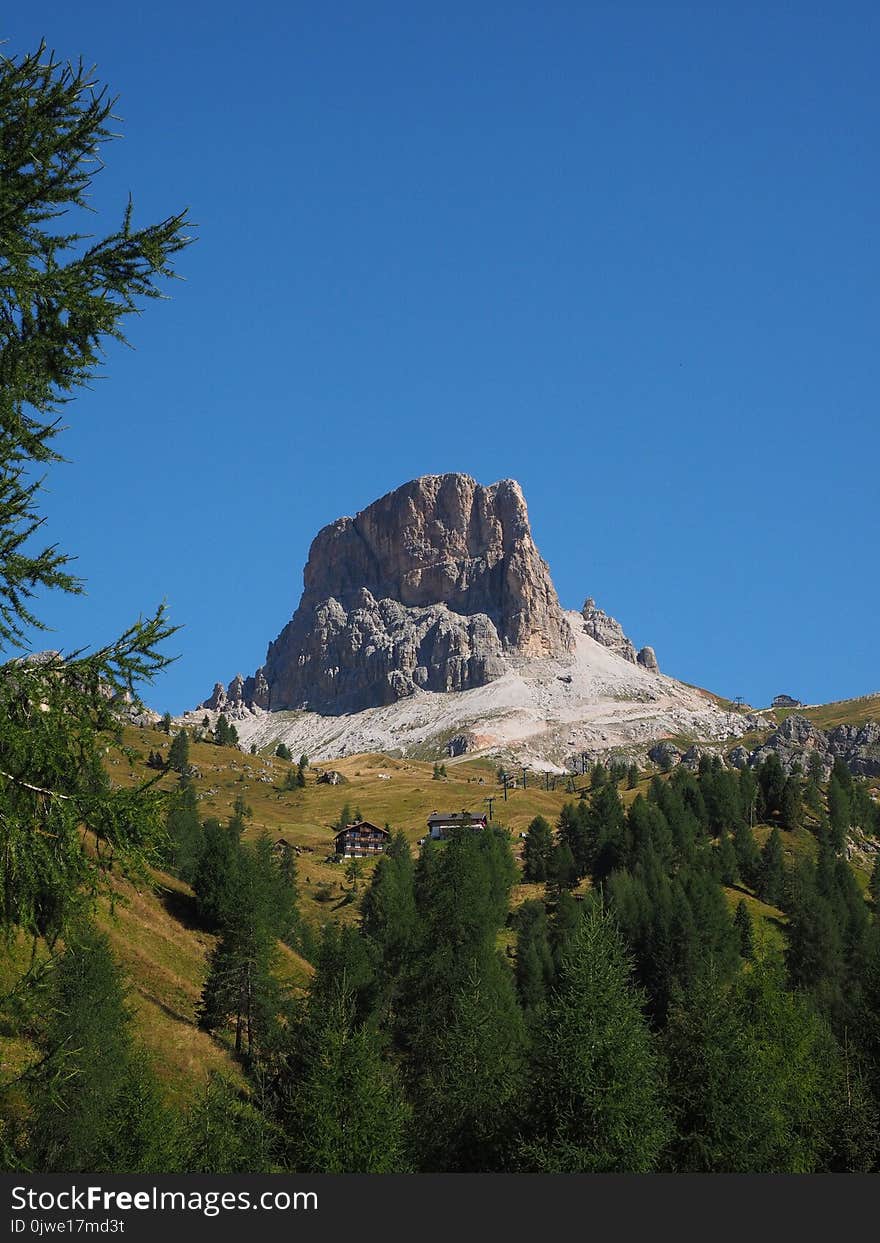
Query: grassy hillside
x=156 y=934
x=842 y=712
x=401 y=793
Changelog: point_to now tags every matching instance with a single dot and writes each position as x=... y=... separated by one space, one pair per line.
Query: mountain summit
x=429 y=621
x=427 y=588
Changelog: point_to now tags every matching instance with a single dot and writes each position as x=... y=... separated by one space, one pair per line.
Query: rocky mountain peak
x=432 y=586
x=605 y=630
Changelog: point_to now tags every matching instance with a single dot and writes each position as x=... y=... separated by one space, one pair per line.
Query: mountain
x=429 y=624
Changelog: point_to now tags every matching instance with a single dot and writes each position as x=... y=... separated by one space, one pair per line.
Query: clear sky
x=624 y=253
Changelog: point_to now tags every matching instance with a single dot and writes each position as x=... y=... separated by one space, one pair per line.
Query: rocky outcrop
x=797 y=739
x=240 y=698
x=431 y=587
x=606 y=630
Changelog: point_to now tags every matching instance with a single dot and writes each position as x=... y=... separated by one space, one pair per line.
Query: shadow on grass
x=183 y=908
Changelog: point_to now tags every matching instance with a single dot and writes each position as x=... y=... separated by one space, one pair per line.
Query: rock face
x=430 y=587
x=605 y=630
x=797 y=739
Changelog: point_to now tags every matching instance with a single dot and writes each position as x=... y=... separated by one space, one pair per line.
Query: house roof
x=361 y=825
x=456 y=817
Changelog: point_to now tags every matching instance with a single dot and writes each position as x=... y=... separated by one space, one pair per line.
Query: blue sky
x=624 y=253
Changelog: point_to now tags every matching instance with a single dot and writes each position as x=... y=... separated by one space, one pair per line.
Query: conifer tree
x=388 y=910
x=597 y=1103
x=562 y=870
x=64 y=296
x=874 y=885
x=743 y=921
x=771 y=871
x=537 y=851
x=791 y=804
x=178 y=753
x=94 y=1106
x=216 y=878
x=225 y=1133
x=748 y=856
x=839 y=810
x=535 y=971
x=728 y=864
x=342 y=1107
x=467 y=1095
x=185 y=833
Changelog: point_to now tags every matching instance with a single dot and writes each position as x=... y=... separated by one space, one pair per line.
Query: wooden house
x=360 y=839
x=441 y=822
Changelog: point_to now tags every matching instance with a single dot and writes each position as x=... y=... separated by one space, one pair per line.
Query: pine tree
x=388 y=910
x=64 y=296
x=597 y=1104
x=728 y=864
x=466 y=1097
x=216 y=877
x=715 y=1098
x=874 y=885
x=748 y=856
x=94 y=1107
x=562 y=870
x=224 y=1133
x=839 y=810
x=165 y=724
x=535 y=971
x=178 y=754
x=185 y=834
x=771 y=871
x=342 y=1109
x=791 y=805
x=282 y=751
x=771 y=783
x=537 y=851
x=743 y=921
x=254 y=912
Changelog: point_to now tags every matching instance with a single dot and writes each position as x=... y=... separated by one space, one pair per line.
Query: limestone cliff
x=430 y=587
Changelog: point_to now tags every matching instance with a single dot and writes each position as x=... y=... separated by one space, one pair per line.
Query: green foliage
x=791 y=803
x=748 y=856
x=388 y=910
x=178 y=754
x=743 y=923
x=224 y=1133
x=225 y=733
x=342 y=1107
x=771 y=785
x=597 y=1101
x=283 y=751
x=771 y=871
x=63 y=297
x=185 y=836
x=467 y=1093
x=535 y=969
x=874 y=885
x=839 y=809
x=753 y=1081
x=94 y=1106
x=537 y=851
x=253 y=901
